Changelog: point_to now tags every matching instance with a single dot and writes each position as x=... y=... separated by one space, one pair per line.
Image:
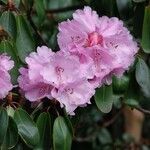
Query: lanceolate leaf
x=24 y=41
x=62 y=137
x=8 y=22
x=104 y=98
x=26 y=127
x=11 y=137
x=143 y=76
x=146 y=31
x=3 y=124
x=44 y=126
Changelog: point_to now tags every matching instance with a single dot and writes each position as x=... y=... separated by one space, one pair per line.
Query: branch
x=64 y=9
x=143 y=110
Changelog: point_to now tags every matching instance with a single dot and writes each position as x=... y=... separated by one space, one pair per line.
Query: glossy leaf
x=44 y=126
x=26 y=127
x=124 y=8
x=68 y=122
x=7 y=47
x=8 y=22
x=3 y=124
x=143 y=76
x=24 y=40
x=120 y=85
x=146 y=31
x=62 y=137
x=11 y=137
x=104 y=98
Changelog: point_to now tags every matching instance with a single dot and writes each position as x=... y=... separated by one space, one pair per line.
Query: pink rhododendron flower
x=92 y=50
x=34 y=90
x=74 y=94
x=5 y=80
x=115 y=48
x=55 y=75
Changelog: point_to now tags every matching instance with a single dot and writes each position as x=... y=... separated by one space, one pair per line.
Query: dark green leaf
x=104 y=98
x=11 y=137
x=7 y=47
x=68 y=122
x=62 y=137
x=124 y=8
x=139 y=1
x=56 y=4
x=24 y=41
x=40 y=9
x=120 y=85
x=3 y=124
x=143 y=76
x=8 y=22
x=44 y=126
x=26 y=127
x=104 y=136
x=146 y=31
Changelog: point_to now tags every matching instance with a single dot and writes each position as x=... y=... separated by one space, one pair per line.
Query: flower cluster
x=5 y=81
x=55 y=75
x=92 y=50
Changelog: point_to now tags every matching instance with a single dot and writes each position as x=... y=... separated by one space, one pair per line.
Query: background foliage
x=26 y=24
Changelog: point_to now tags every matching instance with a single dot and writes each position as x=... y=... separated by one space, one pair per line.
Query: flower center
x=94 y=39
x=69 y=90
x=59 y=70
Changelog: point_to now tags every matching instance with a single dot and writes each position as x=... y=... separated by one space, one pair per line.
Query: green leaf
x=62 y=137
x=104 y=136
x=26 y=127
x=68 y=122
x=10 y=111
x=104 y=98
x=11 y=137
x=24 y=41
x=143 y=76
x=120 y=85
x=7 y=47
x=8 y=22
x=124 y=8
x=56 y=4
x=131 y=102
x=139 y=1
x=146 y=31
x=3 y=124
x=40 y=9
x=44 y=126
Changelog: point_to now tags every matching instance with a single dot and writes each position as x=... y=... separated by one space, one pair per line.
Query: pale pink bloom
x=36 y=61
x=56 y=75
x=74 y=94
x=34 y=90
x=61 y=69
x=5 y=80
x=112 y=40
x=30 y=81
